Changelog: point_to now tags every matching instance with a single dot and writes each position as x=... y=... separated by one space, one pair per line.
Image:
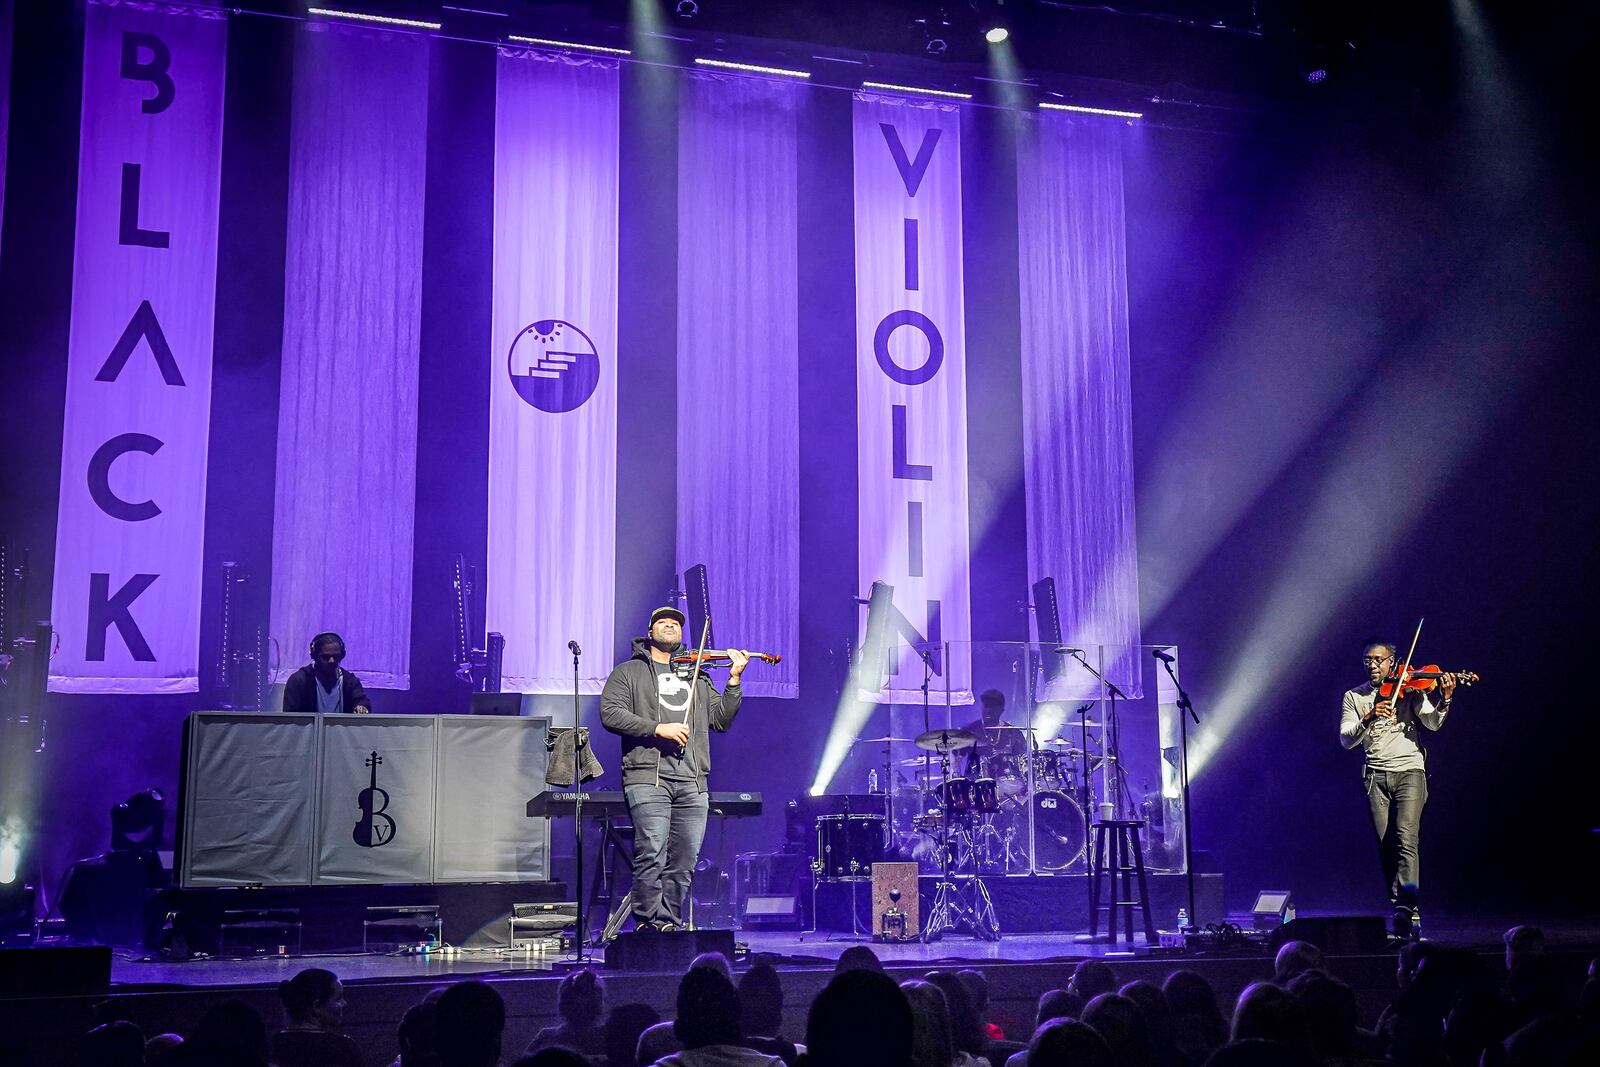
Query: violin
x=1422 y=680
x=712 y=657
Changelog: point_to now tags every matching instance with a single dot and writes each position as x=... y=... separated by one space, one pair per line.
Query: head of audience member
x=1523 y=943
x=158 y=1049
x=230 y=1032
x=1589 y=1002
x=418 y=1041
x=1330 y=1008
x=555 y=1056
x=313 y=998
x=581 y=999
x=978 y=989
x=1294 y=959
x=1091 y=978
x=1068 y=1043
x=1267 y=1011
x=1412 y=953
x=469 y=1025
x=623 y=1027
x=1259 y=1052
x=708 y=1009
x=1157 y=1016
x=966 y=1028
x=1198 y=1028
x=1535 y=987
x=1119 y=1020
x=114 y=1044
x=858 y=958
x=761 y=1001
x=716 y=961
x=1057 y=1004
x=658 y=1041
x=932 y=1041
x=860 y=1019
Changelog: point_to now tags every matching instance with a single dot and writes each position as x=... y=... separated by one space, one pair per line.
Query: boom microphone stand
x=580 y=741
x=1183 y=773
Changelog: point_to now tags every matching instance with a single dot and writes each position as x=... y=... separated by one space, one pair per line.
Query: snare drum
x=848 y=845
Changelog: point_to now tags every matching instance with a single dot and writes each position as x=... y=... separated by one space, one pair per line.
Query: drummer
x=992 y=739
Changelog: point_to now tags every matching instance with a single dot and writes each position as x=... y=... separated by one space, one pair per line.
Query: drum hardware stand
x=1184 y=705
x=958 y=907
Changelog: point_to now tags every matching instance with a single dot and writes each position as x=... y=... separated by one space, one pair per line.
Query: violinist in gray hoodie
x=665 y=728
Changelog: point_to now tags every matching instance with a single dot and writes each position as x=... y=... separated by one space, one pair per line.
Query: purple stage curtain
x=553 y=393
x=347 y=417
x=6 y=15
x=1077 y=414
x=130 y=524
x=739 y=363
x=911 y=381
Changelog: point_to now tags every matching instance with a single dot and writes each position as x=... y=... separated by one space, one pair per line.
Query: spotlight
x=139 y=823
x=687 y=9
x=1316 y=76
x=935 y=34
x=996 y=34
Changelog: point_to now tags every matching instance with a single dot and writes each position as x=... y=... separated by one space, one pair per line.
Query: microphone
x=1163 y=656
x=1064 y=650
x=572 y=646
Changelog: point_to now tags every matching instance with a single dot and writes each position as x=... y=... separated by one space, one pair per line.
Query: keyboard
x=612 y=804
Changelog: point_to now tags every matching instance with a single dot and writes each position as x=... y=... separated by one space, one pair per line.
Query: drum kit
x=1017 y=806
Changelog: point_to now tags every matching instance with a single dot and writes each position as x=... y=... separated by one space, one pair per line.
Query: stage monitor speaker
x=1273 y=908
x=1335 y=935
x=894 y=902
x=55 y=972
x=669 y=953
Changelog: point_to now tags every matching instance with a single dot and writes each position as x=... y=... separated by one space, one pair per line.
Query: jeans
x=669 y=821
x=1396 y=799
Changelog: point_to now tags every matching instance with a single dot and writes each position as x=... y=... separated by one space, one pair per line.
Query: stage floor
x=794 y=950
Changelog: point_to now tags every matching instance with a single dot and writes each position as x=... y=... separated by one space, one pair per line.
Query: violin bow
x=1403 y=667
x=694 y=679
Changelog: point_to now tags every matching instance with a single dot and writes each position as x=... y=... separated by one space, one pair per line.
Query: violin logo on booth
x=553 y=366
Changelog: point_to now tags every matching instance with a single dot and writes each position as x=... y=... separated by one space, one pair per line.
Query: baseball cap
x=667 y=613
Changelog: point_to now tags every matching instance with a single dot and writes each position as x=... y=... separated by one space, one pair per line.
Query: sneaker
x=668 y=927
x=1406 y=925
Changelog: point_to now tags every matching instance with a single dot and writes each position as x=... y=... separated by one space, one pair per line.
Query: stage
x=163 y=995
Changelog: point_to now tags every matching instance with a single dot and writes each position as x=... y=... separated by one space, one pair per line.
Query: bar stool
x=1119 y=856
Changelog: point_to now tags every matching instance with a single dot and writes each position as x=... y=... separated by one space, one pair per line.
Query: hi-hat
x=946 y=740
x=879 y=740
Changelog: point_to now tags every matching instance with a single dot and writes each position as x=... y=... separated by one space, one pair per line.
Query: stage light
x=997 y=35
x=381 y=20
x=752 y=68
x=1316 y=76
x=10 y=857
x=687 y=9
x=573 y=46
x=1080 y=109
x=893 y=88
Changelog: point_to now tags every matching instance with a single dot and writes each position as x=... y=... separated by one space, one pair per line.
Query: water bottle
x=1183 y=918
x=872 y=781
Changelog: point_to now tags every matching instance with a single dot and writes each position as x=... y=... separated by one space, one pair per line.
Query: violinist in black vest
x=323 y=685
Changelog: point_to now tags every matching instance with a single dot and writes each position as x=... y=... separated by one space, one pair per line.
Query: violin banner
x=911 y=384
x=553 y=369
x=347 y=406
x=375 y=821
x=126 y=601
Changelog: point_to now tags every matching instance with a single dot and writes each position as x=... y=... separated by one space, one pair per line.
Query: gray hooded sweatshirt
x=630 y=708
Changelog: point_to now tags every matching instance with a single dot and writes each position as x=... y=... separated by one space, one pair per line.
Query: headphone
x=326 y=635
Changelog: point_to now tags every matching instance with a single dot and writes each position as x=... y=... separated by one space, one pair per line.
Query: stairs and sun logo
x=553 y=366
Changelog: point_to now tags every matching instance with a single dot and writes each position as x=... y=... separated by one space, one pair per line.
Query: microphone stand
x=1109 y=728
x=579 y=743
x=1184 y=704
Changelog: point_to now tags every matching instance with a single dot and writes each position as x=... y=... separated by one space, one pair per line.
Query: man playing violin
x=664 y=716
x=1394 y=770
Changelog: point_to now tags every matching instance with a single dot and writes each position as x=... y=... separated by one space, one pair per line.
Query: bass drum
x=1058 y=834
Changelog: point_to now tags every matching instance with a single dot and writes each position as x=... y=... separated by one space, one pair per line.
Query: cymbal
x=879 y=740
x=946 y=740
x=1091 y=724
x=914 y=761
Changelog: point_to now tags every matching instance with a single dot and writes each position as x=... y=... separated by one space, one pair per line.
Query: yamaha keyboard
x=610 y=803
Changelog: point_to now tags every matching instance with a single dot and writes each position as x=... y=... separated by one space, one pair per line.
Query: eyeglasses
x=1369 y=660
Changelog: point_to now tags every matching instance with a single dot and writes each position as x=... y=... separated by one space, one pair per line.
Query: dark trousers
x=1396 y=799
x=669 y=822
